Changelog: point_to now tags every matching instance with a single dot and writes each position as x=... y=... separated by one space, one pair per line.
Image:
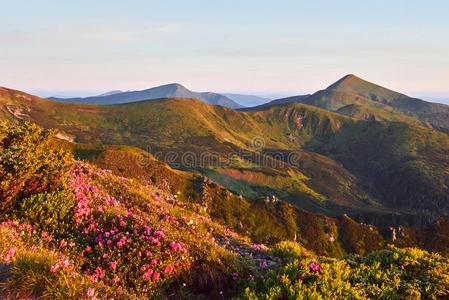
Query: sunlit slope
x=345 y=164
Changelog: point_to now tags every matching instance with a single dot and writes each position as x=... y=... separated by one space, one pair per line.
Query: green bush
x=51 y=212
x=388 y=274
x=27 y=164
x=289 y=250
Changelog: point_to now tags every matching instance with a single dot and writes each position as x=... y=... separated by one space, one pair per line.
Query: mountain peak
x=174 y=85
x=348 y=80
x=110 y=93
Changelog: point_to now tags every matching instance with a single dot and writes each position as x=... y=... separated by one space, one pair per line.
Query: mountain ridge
x=172 y=90
x=375 y=100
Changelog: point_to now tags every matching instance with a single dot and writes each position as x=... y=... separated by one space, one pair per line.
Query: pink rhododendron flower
x=121 y=242
x=64 y=263
x=46 y=236
x=156 y=276
x=90 y=292
x=168 y=269
x=159 y=234
x=98 y=274
x=113 y=265
x=177 y=247
x=314 y=267
x=147 y=274
x=54 y=268
x=10 y=254
x=155 y=241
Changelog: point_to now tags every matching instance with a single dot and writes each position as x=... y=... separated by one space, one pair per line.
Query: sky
x=68 y=48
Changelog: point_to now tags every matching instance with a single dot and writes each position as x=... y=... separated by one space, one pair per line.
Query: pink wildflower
x=98 y=274
x=47 y=237
x=54 y=268
x=156 y=276
x=314 y=267
x=64 y=263
x=90 y=292
x=10 y=254
x=88 y=248
x=159 y=234
x=113 y=265
x=155 y=241
x=168 y=269
x=147 y=274
x=177 y=247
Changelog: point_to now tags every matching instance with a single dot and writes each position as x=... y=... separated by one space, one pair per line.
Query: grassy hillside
x=70 y=230
x=409 y=166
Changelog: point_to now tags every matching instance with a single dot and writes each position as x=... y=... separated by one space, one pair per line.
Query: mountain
x=105 y=94
x=247 y=100
x=377 y=102
x=173 y=90
x=300 y=153
x=276 y=102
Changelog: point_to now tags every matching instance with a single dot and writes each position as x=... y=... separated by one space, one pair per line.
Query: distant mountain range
x=173 y=90
x=247 y=100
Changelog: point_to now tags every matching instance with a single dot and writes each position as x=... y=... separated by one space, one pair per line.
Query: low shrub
x=407 y=273
x=49 y=212
x=289 y=250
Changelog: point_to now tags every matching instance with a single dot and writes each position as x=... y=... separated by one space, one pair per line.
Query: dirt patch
x=18 y=112
x=65 y=137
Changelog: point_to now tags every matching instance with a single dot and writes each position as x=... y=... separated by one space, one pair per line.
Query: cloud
x=93 y=33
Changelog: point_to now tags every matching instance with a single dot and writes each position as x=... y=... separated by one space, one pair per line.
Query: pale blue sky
x=264 y=47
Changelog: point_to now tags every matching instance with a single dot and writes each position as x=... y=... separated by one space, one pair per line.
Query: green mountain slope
x=338 y=160
x=408 y=165
x=359 y=98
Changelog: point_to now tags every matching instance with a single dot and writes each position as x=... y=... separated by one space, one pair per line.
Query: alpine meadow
x=291 y=180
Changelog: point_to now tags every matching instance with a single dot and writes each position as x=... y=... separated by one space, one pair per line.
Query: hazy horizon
x=438 y=97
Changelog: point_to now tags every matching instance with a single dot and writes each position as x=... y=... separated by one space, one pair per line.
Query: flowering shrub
x=388 y=274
